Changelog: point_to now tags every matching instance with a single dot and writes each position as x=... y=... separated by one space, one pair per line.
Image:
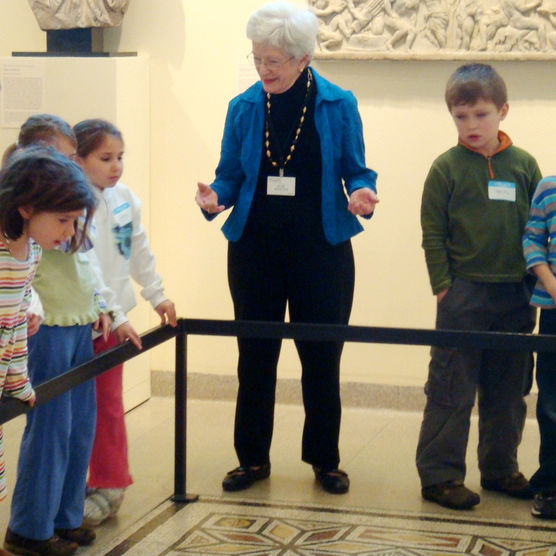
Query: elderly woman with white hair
x=292 y=166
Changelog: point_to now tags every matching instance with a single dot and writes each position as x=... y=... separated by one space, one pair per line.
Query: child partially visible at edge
x=40 y=200
x=474 y=208
x=540 y=256
x=57 y=440
x=123 y=252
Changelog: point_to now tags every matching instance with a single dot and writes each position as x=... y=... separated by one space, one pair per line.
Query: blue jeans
x=56 y=445
x=545 y=477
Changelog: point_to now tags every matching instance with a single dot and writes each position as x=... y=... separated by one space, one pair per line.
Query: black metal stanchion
x=180 y=455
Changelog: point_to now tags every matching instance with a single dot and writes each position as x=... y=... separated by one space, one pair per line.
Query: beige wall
x=195 y=50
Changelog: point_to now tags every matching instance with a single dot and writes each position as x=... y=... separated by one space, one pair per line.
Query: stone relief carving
x=71 y=14
x=466 y=29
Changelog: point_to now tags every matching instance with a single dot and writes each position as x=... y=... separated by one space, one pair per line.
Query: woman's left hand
x=362 y=201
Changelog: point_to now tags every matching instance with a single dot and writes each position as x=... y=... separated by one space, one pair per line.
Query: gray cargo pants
x=500 y=378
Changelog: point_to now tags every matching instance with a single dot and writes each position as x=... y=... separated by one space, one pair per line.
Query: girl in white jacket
x=123 y=252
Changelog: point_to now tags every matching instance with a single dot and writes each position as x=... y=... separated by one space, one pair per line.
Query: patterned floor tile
x=214 y=526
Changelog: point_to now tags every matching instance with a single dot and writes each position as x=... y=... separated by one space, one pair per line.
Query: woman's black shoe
x=242 y=477
x=334 y=481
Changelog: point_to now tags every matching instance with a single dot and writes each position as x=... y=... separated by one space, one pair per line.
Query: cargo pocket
x=438 y=387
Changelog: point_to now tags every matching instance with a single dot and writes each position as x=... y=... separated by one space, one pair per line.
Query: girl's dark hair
x=43 y=180
x=90 y=135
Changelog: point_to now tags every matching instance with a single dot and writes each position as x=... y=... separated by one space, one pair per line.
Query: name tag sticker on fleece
x=122 y=214
x=501 y=190
x=280 y=185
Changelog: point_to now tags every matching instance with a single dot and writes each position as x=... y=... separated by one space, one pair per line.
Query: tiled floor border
x=389 y=523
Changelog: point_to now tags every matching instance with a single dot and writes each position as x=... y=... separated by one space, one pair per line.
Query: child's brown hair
x=472 y=82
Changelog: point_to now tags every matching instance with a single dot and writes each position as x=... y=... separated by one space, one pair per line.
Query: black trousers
x=316 y=280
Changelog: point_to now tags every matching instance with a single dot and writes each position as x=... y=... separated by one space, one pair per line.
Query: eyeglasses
x=270 y=63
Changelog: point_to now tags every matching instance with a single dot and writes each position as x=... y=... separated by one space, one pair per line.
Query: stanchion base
x=185 y=499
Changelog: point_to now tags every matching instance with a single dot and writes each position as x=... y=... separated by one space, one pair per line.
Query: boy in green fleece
x=474 y=209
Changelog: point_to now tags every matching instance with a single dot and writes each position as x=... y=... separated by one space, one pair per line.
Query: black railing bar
x=382 y=335
x=10 y=407
x=180 y=419
x=180 y=424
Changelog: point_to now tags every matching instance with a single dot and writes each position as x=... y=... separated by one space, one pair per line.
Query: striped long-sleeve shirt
x=15 y=294
x=539 y=239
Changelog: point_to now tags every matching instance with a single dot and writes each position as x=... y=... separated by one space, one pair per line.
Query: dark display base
x=87 y=42
x=76 y=54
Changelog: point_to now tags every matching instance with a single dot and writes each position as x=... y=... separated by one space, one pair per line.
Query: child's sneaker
x=96 y=509
x=451 y=494
x=544 y=505
x=100 y=504
x=115 y=497
x=515 y=485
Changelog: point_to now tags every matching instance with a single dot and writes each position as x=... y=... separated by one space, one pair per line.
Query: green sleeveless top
x=66 y=284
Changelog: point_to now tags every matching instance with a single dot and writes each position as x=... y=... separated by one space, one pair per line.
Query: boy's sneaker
x=514 y=485
x=101 y=504
x=54 y=546
x=544 y=505
x=451 y=494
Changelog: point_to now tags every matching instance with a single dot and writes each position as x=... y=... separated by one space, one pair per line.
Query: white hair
x=282 y=25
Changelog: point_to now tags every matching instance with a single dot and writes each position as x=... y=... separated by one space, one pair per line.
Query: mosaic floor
x=214 y=526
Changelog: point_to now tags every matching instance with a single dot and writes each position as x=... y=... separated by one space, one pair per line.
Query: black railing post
x=180 y=431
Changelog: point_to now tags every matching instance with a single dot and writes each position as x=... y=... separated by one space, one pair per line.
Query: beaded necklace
x=268 y=124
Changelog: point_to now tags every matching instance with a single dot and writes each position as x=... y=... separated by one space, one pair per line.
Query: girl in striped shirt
x=42 y=194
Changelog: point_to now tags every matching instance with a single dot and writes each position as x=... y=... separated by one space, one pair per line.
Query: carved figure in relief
x=72 y=14
x=436 y=22
x=367 y=13
x=468 y=16
x=462 y=25
x=519 y=18
x=328 y=39
x=401 y=16
x=341 y=18
x=490 y=21
x=548 y=10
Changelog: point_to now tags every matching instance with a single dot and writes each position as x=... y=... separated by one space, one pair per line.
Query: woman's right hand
x=207 y=199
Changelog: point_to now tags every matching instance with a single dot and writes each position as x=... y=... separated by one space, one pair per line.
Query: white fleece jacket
x=121 y=251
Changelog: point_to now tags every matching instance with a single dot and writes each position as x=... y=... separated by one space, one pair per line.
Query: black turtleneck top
x=300 y=214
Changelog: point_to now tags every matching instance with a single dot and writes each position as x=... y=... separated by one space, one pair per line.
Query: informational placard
x=21 y=90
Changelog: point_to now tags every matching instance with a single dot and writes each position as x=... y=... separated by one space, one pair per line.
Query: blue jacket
x=343 y=158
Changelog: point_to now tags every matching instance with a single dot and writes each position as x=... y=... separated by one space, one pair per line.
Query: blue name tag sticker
x=501 y=191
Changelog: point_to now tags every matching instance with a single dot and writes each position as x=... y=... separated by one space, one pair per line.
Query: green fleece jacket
x=466 y=234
